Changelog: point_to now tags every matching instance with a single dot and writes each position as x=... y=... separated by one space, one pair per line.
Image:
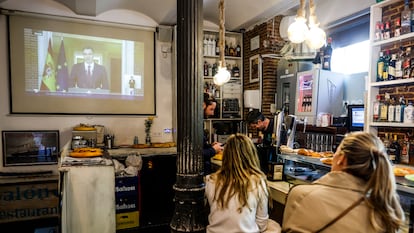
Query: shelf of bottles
x=389 y=103
x=229 y=95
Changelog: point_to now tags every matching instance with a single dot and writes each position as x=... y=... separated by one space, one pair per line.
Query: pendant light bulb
x=222 y=76
x=298 y=30
x=316 y=37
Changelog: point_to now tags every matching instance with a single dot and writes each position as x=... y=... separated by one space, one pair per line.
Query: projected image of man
x=89 y=74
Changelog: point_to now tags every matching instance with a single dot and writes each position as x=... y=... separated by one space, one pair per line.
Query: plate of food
x=409 y=177
x=403 y=171
x=86 y=152
x=327 y=161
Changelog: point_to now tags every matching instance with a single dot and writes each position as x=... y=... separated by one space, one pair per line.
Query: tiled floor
x=153 y=229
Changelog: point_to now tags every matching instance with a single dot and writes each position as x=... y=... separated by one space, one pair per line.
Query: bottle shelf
x=225 y=57
x=402 y=38
x=231 y=78
x=391 y=124
x=392 y=82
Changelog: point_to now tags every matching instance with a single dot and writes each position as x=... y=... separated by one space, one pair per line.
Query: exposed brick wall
x=269 y=32
x=390 y=13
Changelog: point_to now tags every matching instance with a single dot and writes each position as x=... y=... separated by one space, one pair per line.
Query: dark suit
x=79 y=77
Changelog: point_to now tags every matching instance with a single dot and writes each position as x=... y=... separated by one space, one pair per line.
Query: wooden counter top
x=122 y=152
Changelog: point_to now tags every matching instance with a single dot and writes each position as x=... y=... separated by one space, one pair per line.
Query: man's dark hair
x=253 y=116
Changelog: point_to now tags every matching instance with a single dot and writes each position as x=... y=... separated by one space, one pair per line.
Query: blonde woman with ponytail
x=238 y=193
x=358 y=195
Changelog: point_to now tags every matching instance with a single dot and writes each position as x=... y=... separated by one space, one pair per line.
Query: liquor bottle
x=412 y=21
x=399 y=110
x=205 y=68
x=318 y=59
x=384 y=109
x=210 y=70
x=238 y=50
x=387 y=30
x=386 y=64
x=395 y=150
x=235 y=71
x=380 y=67
x=398 y=64
x=211 y=46
x=214 y=69
x=205 y=46
x=408 y=113
x=226 y=49
x=232 y=50
x=406 y=65
x=327 y=53
x=405 y=147
x=378 y=31
x=391 y=110
x=397 y=27
x=376 y=108
x=391 y=67
x=406 y=18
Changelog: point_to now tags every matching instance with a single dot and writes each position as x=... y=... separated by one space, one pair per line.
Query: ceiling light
x=299 y=32
x=223 y=75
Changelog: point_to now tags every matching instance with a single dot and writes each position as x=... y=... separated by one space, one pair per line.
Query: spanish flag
x=49 y=71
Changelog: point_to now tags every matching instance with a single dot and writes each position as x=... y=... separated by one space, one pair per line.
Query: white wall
x=124 y=127
x=328 y=11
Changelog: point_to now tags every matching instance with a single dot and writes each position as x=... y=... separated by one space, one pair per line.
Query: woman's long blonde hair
x=367 y=159
x=240 y=172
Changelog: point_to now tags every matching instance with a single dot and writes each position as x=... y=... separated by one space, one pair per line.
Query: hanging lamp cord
x=221 y=33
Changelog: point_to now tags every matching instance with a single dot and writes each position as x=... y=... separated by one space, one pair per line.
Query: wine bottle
x=235 y=71
x=386 y=64
x=399 y=110
x=384 y=108
x=406 y=18
x=406 y=65
x=327 y=53
x=398 y=63
x=395 y=150
x=391 y=67
x=378 y=32
x=409 y=113
x=205 y=46
x=380 y=67
x=387 y=30
x=397 y=27
x=376 y=108
x=405 y=145
x=391 y=110
x=238 y=50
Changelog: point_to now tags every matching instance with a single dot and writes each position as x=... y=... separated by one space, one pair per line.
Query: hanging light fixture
x=299 y=32
x=316 y=36
x=223 y=75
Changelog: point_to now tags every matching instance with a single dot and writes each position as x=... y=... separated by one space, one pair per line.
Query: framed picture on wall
x=255 y=68
x=30 y=147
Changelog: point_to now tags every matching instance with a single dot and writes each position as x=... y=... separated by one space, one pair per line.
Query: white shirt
x=230 y=220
